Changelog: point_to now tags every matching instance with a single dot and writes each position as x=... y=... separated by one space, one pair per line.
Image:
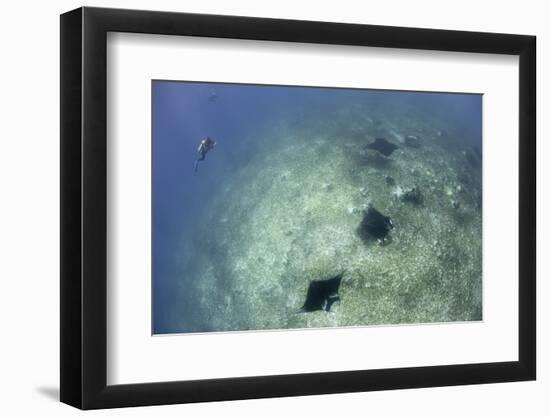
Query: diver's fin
x=196 y=165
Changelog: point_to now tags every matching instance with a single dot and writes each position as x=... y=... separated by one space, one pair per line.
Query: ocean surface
x=283 y=198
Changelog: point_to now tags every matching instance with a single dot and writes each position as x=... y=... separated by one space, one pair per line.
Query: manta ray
x=322 y=294
x=374 y=224
x=383 y=146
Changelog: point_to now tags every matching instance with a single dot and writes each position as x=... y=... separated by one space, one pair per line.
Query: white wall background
x=29 y=238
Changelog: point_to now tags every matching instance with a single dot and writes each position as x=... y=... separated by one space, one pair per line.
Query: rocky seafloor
x=291 y=214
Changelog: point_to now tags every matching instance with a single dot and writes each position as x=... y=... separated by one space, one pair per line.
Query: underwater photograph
x=295 y=207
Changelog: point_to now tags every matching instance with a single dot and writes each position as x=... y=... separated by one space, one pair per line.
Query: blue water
x=238 y=118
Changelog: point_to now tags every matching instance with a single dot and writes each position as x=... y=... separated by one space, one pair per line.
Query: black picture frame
x=84 y=207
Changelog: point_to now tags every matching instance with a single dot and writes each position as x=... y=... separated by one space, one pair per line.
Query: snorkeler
x=204 y=147
x=213 y=96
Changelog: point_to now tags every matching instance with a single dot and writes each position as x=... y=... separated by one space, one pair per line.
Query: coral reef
x=290 y=215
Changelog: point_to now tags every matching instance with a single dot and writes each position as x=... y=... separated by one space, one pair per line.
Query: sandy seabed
x=291 y=214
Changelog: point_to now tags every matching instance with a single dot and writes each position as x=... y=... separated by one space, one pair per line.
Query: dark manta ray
x=322 y=294
x=374 y=224
x=383 y=146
